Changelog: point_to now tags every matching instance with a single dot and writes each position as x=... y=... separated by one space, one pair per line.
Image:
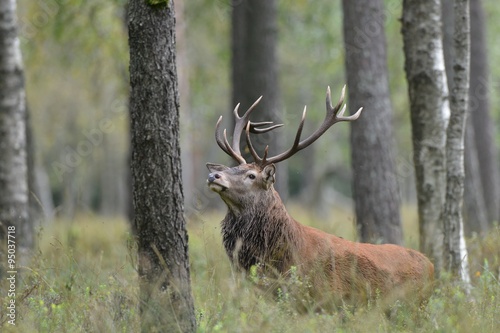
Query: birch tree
x=14 y=207
x=430 y=111
x=438 y=132
x=475 y=212
x=455 y=251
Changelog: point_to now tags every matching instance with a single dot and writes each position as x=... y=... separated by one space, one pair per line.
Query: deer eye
x=251 y=176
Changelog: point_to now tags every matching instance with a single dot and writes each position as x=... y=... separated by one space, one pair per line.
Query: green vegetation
x=83 y=279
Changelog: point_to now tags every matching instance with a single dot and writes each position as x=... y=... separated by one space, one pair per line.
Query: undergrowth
x=83 y=278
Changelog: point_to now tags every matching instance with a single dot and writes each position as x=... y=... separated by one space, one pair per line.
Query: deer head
x=239 y=185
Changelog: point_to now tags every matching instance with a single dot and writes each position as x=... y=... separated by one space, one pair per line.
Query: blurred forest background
x=76 y=66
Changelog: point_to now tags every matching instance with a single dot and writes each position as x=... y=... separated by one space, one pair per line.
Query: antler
x=240 y=124
x=333 y=116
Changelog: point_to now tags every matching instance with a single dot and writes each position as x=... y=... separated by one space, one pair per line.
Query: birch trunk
x=475 y=217
x=455 y=251
x=14 y=207
x=429 y=108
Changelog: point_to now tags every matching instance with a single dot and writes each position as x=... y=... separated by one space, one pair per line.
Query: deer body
x=258 y=230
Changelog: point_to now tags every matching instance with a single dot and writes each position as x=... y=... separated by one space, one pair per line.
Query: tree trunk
x=255 y=73
x=166 y=301
x=190 y=168
x=109 y=179
x=375 y=186
x=429 y=107
x=484 y=129
x=475 y=219
x=35 y=212
x=14 y=199
x=474 y=203
x=455 y=252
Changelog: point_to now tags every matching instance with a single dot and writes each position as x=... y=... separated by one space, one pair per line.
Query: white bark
x=13 y=162
x=427 y=87
x=455 y=254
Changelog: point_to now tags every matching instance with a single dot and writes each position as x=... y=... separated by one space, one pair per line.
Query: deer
x=257 y=230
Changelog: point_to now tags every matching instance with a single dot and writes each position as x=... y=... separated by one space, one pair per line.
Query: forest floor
x=83 y=279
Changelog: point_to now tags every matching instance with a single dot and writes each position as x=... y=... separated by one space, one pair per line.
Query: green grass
x=83 y=279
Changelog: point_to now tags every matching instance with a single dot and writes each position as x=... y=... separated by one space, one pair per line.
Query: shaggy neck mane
x=262 y=232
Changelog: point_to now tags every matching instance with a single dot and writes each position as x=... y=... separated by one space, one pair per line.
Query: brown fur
x=258 y=230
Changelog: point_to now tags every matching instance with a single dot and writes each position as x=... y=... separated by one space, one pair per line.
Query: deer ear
x=268 y=175
x=212 y=167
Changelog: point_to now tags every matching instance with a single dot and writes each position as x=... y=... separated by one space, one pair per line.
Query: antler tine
x=218 y=138
x=224 y=144
x=240 y=124
x=254 y=129
x=255 y=156
x=333 y=116
x=338 y=113
x=232 y=152
x=296 y=142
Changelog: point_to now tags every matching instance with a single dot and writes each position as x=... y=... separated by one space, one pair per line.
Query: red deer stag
x=258 y=230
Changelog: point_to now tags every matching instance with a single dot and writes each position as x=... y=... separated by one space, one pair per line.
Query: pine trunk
x=375 y=186
x=165 y=291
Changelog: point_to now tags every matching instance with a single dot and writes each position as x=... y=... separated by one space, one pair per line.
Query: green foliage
x=83 y=278
x=158 y=2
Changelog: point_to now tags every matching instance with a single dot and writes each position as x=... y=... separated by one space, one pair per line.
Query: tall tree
x=254 y=65
x=484 y=129
x=165 y=290
x=14 y=199
x=475 y=213
x=455 y=252
x=474 y=204
x=376 y=193
x=429 y=108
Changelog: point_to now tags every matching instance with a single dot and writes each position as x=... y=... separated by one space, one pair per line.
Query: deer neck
x=250 y=233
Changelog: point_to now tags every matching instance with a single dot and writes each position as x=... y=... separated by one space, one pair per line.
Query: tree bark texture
x=254 y=65
x=35 y=207
x=475 y=218
x=166 y=300
x=484 y=129
x=455 y=252
x=375 y=185
x=14 y=208
x=429 y=108
x=474 y=204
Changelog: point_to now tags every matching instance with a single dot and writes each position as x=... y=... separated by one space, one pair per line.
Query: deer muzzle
x=215 y=182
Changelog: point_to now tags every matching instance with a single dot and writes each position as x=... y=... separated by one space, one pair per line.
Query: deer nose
x=213 y=176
